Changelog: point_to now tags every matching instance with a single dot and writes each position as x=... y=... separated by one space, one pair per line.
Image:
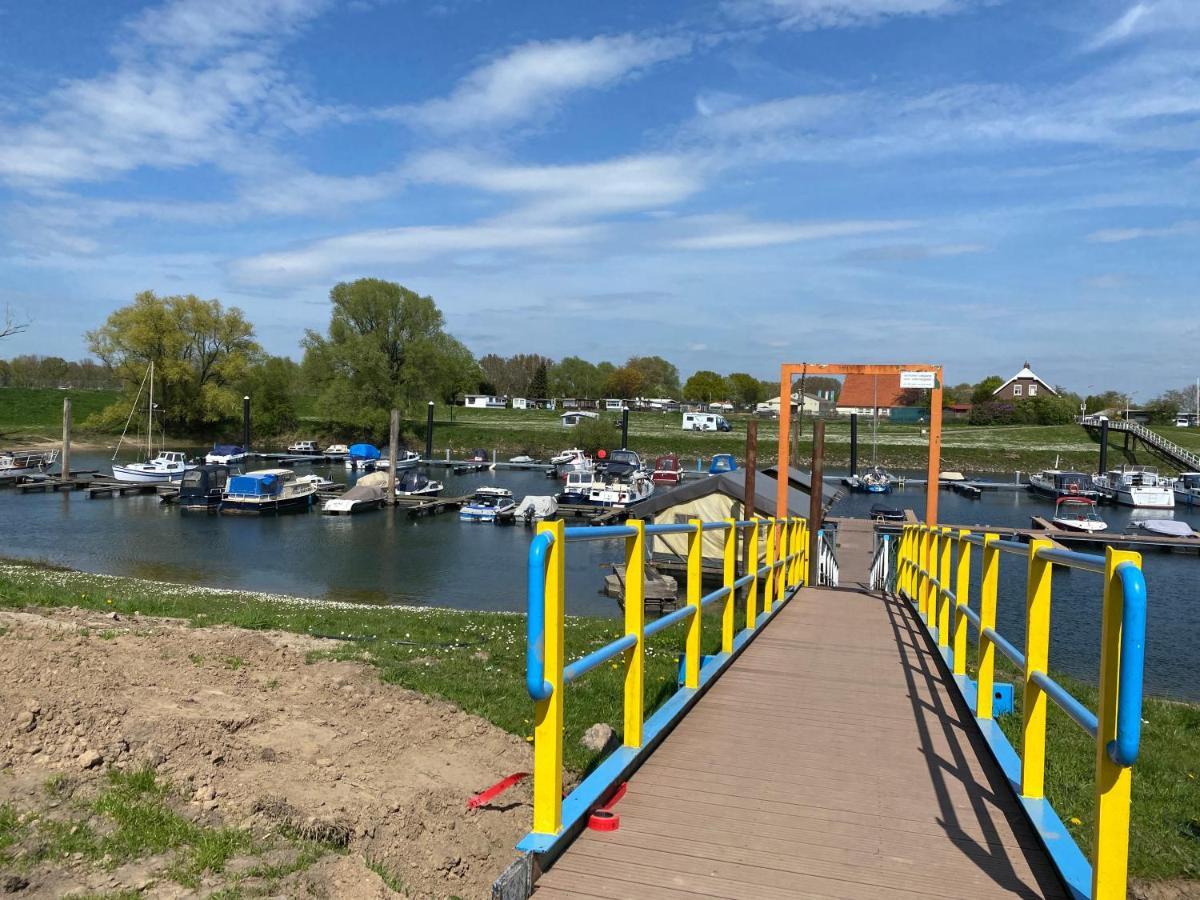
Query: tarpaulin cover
x=363 y=451
x=259 y=485
x=226 y=449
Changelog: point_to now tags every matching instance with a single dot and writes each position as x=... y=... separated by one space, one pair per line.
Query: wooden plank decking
x=829 y=761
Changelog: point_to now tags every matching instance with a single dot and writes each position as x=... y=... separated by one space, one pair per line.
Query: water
x=385 y=557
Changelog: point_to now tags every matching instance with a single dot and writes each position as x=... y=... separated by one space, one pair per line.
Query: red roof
x=869 y=391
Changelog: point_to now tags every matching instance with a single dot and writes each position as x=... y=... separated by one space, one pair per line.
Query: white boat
x=169 y=466
x=1138 y=486
x=1187 y=489
x=1078 y=514
x=1057 y=483
x=268 y=491
x=414 y=483
x=304 y=448
x=336 y=450
x=15 y=463
x=225 y=455
x=535 y=509
x=523 y=458
x=573 y=460
x=619 y=494
x=405 y=459
x=359 y=498
x=1166 y=527
x=486 y=504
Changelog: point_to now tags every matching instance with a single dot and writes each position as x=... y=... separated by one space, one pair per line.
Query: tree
x=273 y=385
x=591 y=434
x=1095 y=403
x=985 y=389
x=705 y=386
x=539 y=387
x=574 y=376
x=200 y=350
x=959 y=393
x=659 y=377
x=625 y=382
x=1163 y=409
x=512 y=376
x=746 y=389
x=11 y=324
x=385 y=349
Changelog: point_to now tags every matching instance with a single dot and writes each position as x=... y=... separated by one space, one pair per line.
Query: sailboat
x=878 y=480
x=168 y=466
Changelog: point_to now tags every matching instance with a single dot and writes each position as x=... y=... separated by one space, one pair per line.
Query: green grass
x=390 y=878
x=37 y=412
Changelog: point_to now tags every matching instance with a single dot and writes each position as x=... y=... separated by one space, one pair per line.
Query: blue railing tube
x=1124 y=750
x=535 y=630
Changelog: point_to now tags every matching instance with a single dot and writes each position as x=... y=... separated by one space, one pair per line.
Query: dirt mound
x=254 y=737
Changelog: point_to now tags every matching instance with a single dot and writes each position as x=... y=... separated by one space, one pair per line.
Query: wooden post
x=65 y=461
x=814 y=494
x=749 y=556
x=393 y=440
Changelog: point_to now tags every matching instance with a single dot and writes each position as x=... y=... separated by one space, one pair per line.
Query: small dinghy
x=881 y=513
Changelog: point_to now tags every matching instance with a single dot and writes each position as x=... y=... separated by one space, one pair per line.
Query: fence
x=942 y=598
x=785 y=567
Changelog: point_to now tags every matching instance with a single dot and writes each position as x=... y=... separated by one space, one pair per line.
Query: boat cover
x=537 y=507
x=255 y=485
x=373 y=479
x=412 y=480
x=1168 y=527
x=225 y=450
x=363 y=492
x=722 y=462
x=364 y=451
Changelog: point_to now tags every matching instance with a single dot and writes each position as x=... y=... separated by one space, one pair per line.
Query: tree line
x=1062 y=408
x=32 y=371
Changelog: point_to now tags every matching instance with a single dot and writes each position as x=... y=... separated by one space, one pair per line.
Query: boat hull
x=138 y=475
x=267 y=506
x=1187 y=498
x=1143 y=498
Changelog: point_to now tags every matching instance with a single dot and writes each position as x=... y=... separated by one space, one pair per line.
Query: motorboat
x=1077 y=514
x=578 y=487
x=405 y=459
x=304 y=448
x=881 y=513
x=721 y=463
x=320 y=482
x=620 y=464
x=1055 y=483
x=1166 y=528
x=15 y=463
x=1187 y=488
x=951 y=477
x=167 y=467
x=478 y=455
x=535 y=509
x=336 y=450
x=414 y=483
x=567 y=456
x=225 y=455
x=523 y=459
x=486 y=504
x=574 y=460
x=876 y=481
x=1138 y=486
x=361 y=457
x=667 y=470
x=357 y=499
x=202 y=487
x=268 y=491
x=618 y=493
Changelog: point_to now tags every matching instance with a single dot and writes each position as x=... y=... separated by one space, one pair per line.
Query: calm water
x=385 y=557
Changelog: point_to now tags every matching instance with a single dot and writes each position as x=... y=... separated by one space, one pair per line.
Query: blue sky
x=730 y=184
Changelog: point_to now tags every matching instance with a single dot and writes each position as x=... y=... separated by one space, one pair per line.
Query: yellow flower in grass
x=1075 y=820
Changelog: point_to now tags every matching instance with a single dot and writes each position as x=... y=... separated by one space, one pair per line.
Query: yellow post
x=802 y=550
x=962 y=593
x=989 y=584
x=548 y=714
x=902 y=561
x=1110 y=847
x=943 y=599
x=1037 y=657
x=932 y=586
x=752 y=588
x=785 y=537
x=695 y=570
x=635 y=622
x=730 y=577
x=923 y=587
x=769 y=584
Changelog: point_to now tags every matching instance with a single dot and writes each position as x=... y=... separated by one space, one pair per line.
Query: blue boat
x=269 y=491
x=877 y=481
x=722 y=462
x=362 y=456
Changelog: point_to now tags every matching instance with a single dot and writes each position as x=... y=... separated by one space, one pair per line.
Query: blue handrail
x=714 y=596
x=684 y=612
x=585 y=664
x=596 y=532
x=1089 y=562
x=1001 y=644
x=535 y=626
x=1124 y=750
x=1084 y=717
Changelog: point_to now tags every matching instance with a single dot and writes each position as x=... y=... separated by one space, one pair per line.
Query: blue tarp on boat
x=226 y=449
x=256 y=485
x=722 y=462
x=364 y=451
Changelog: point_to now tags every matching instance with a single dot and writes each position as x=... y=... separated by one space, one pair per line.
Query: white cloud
x=911 y=252
x=201 y=26
x=534 y=77
x=814 y=14
x=725 y=233
x=1146 y=18
x=1120 y=235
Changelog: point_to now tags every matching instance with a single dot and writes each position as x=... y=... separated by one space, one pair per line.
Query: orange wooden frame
x=789 y=371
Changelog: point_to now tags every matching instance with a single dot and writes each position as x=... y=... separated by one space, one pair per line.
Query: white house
x=484 y=401
x=1023 y=385
x=571 y=419
x=812 y=405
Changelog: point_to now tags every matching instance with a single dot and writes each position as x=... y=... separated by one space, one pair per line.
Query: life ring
x=1072 y=489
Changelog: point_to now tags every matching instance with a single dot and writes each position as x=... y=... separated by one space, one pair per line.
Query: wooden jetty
x=418 y=507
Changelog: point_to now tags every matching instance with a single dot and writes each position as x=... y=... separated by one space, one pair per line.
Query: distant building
x=484 y=401
x=1022 y=386
x=571 y=419
x=812 y=405
x=864 y=395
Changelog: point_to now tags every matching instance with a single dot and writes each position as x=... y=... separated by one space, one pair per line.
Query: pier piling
x=429 y=431
x=853 y=444
x=65 y=460
x=393 y=440
x=246 y=424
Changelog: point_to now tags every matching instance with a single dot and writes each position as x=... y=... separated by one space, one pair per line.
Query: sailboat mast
x=150 y=418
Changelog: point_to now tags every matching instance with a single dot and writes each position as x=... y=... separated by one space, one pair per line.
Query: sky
x=730 y=184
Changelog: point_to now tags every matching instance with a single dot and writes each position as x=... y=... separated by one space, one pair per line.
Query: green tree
x=574 y=376
x=705 y=387
x=591 y=434
x=539 y=386
x=624 y=383
x=1113 y=400
x=200 y=351
x=659 y=377
x=746 y=390
x=273 y=385
x=985 y=389
x=385 y=349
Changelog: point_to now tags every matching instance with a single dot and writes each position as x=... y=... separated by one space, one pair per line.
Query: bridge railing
x=547 y=674
x=934 y=573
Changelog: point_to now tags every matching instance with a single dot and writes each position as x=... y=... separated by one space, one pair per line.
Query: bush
x=591 y=435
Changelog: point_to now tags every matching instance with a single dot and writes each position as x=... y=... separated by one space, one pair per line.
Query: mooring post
x=625 y=428
x=749 y=556
x=393 y=440
x=246 y=424
x=853 y=444
x=429 y=431
x=65 y=462
x=814 y=494
x=1103 y=446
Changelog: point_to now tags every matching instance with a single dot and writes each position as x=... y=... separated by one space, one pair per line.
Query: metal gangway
x=1178 y=456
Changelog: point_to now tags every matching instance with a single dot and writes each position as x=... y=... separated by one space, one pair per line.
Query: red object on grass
x=604 y=819
x=495 y=790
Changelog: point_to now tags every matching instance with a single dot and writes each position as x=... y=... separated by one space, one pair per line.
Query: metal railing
x=942 y=599
x=1153 y=438
x=827 y=563
x=785 y=567
x=881 y=565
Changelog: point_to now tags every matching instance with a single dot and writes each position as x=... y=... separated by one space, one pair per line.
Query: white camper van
x=705 y=422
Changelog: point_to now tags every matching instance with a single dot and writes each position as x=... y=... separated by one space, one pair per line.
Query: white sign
x=922 y=380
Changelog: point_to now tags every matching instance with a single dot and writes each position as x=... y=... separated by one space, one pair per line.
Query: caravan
x=705 y=422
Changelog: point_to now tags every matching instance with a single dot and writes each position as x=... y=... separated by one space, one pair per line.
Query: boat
x=573 y=460
x=876 y=481
x=523 y=459
x=1055 y=483
x=15 y=463
x=535 y=509
x=405 y=459
x=202 y=487
x=951 y=477
x=167 y=467
x=567 y=456
x=478 y=455
x=722 y=462
x=414 y=483
x=362 y=456
x=1187 y=489
x=578 y=487
x=619 y=463
x=357 y=499
x=1166 y=527
x=267 y=491
x=304 y=448
x=881 y=513
x=1077 y=514
x=667 y=470
x=225 y=455
x=486 y=504
x=336 y=450
x=617 y=493
x=1138 y=486
x=321 y=483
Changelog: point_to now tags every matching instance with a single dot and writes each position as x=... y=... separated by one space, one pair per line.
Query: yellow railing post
x=931 y=585
x=802 y=575
x=785 y=537
x=769 y=584
x=730 y=573
x=695 y=571
x=1114 y=783
x=918 y=596
x=548 y=713
x=752 y=588
x=942 y=599
x=962 y=593
x=635 y=622
x=927 y=567
x=989 y=584
x=1037 y=654
x=903 y=585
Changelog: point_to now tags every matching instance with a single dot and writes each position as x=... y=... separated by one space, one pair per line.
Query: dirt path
x=250 y=736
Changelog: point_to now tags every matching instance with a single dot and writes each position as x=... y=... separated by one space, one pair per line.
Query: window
x=1016 y=390
x=1033 y=390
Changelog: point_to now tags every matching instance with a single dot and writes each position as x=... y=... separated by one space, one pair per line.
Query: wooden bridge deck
x=830 y=760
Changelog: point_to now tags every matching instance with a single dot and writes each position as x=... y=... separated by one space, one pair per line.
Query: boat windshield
x=194 y=478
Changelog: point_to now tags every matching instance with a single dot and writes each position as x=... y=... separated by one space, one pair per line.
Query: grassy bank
x=477 y=661
x=36 y=413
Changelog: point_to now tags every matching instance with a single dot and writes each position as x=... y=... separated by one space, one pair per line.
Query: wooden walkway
x=829 y=761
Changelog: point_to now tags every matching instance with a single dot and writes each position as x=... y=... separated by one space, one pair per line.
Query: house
x=522 y=403
x=571 y=419
x=484 y=401
x=812 y=405
x=957 y=410
x=863 y=395
x=616 y=403
x=1023 y=385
